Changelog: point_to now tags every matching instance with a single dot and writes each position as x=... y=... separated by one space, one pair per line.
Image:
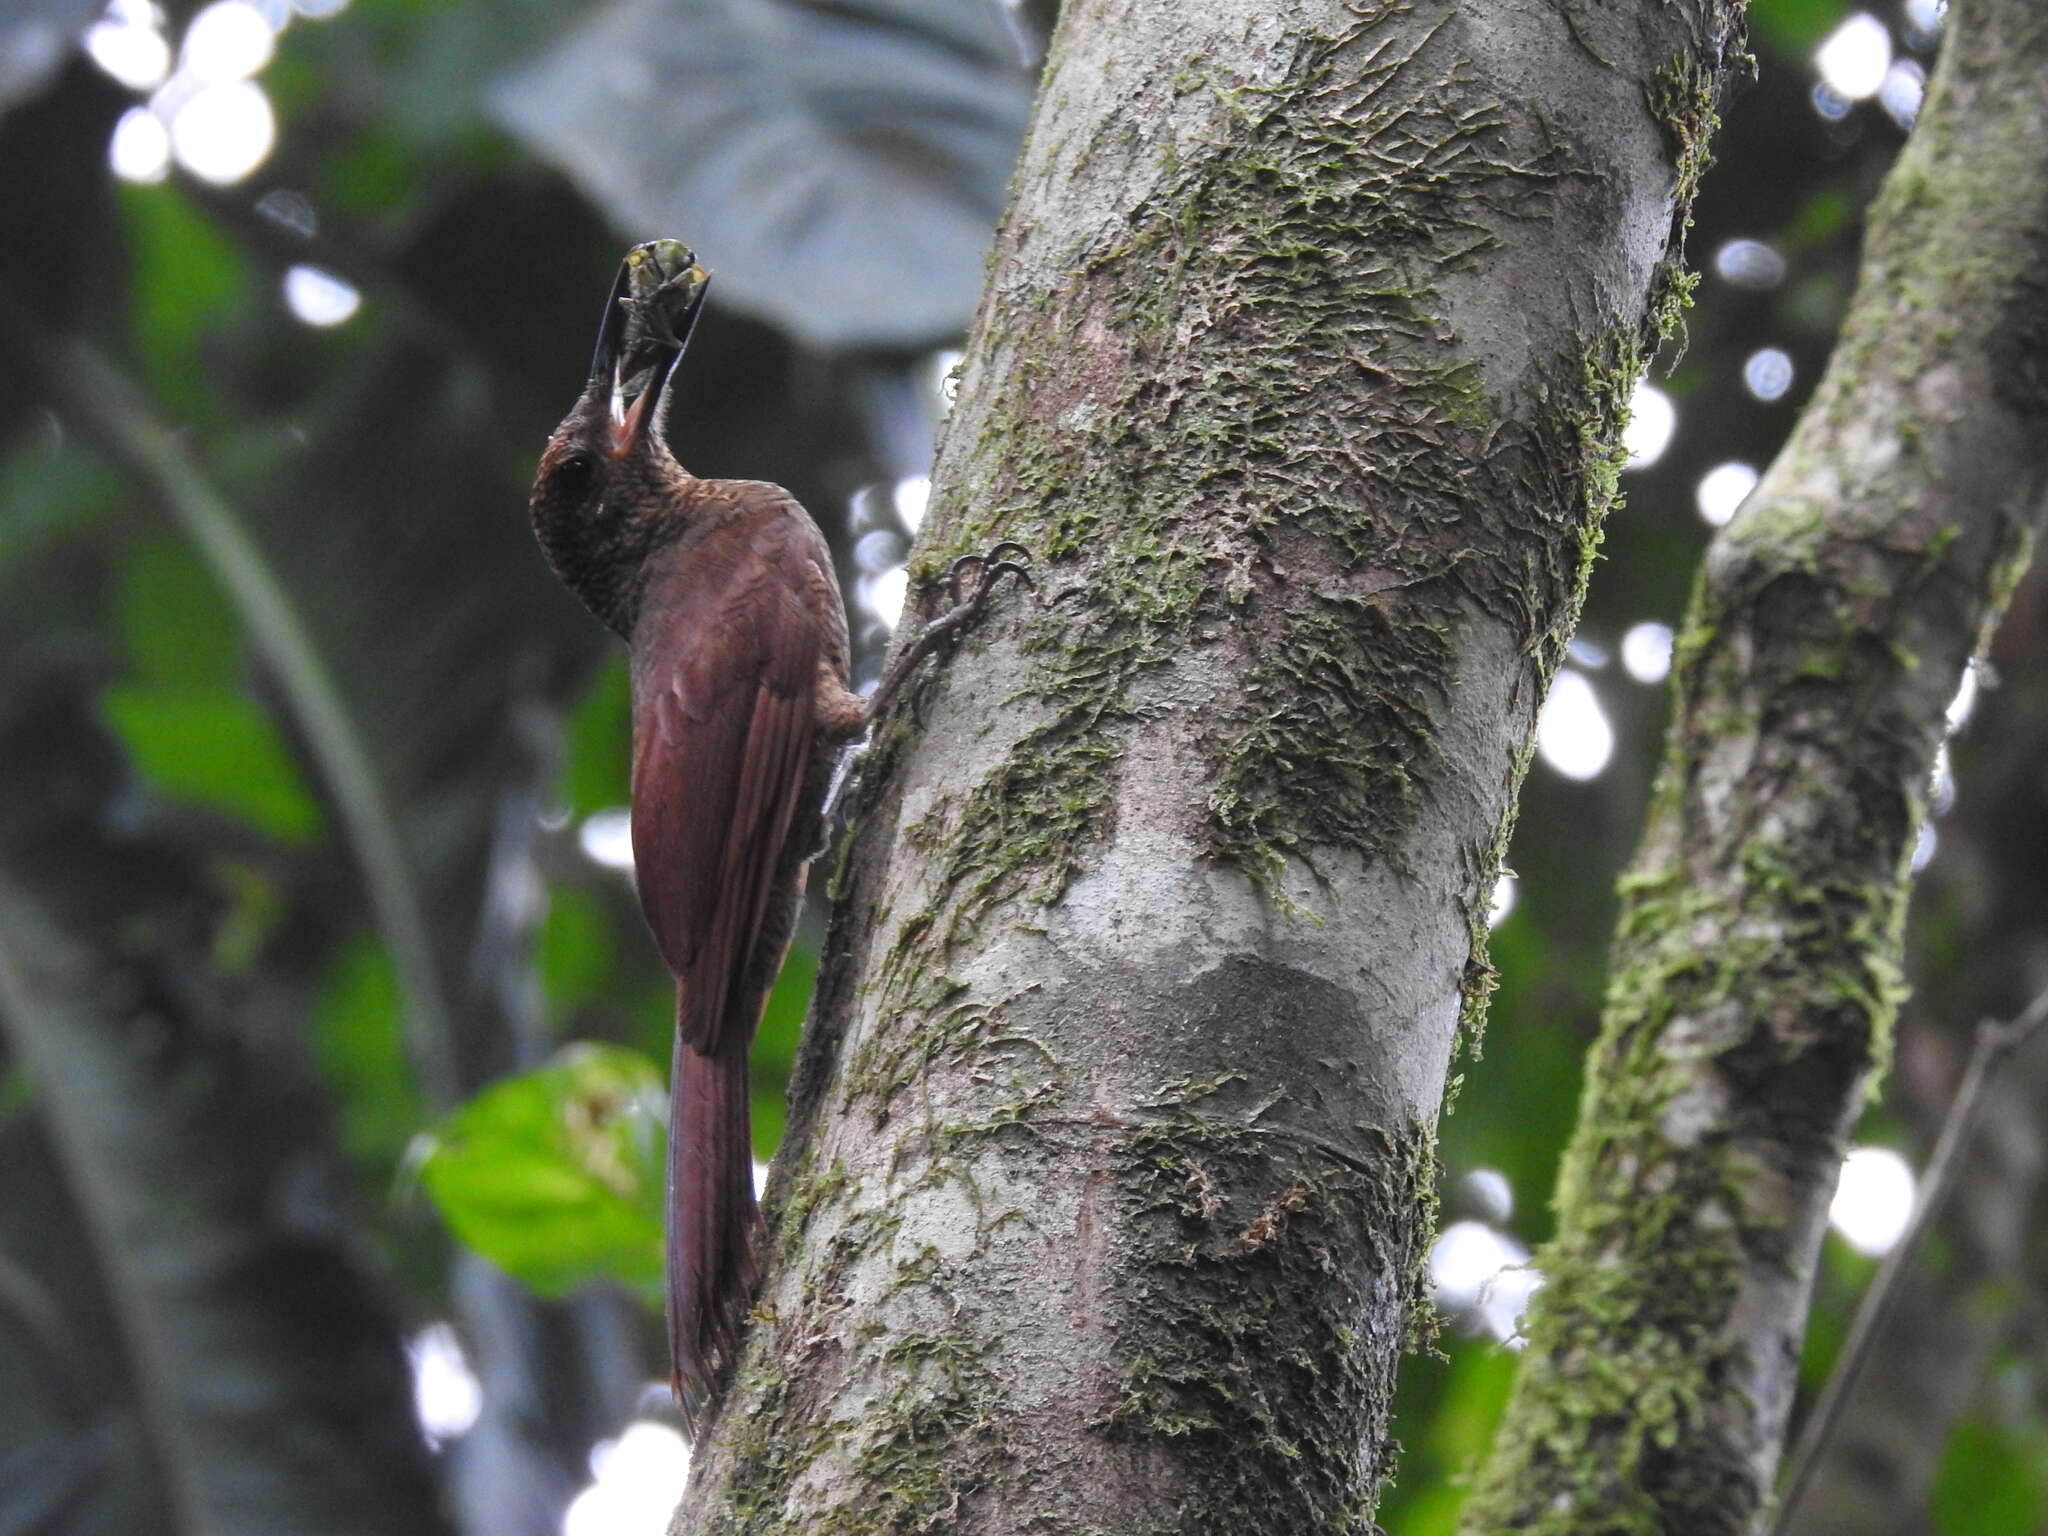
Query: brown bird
x=724 y=592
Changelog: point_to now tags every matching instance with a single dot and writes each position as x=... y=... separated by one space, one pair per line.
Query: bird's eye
x=572 y=476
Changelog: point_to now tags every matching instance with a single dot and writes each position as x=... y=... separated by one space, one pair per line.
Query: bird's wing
x=725 y=666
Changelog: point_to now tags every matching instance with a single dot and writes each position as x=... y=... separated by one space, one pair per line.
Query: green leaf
x=196 y=280
x=891 y=125
x=359 y=1035
x=179 y=628
x=774 y=1053
x=594 y=773
x=1993 y=1481
x=1792 y=26
x=575 y=951
x=556 y=1176
x=213 y=747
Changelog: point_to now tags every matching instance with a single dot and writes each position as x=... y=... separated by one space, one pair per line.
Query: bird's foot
x=971 y=581
x=844 y=772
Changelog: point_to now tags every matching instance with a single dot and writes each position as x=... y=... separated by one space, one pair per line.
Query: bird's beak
x=654 y=304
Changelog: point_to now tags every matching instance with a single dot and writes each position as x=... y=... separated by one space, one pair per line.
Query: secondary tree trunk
x=1756 y=974
x=1110 y=1163
x=1983 y=951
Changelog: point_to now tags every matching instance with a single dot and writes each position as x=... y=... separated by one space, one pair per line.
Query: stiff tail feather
x=711 y=1221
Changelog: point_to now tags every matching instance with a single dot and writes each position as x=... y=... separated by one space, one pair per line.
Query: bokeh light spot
x=1652 y=419
x=1905 y=85
x=141 y=147
x=1749 y=264
x=1723 y=489
x=1925 y=846
x=1830 y=103
x=1477 y=1270
x=1873 y=1200
x=885 y=594
x=1489 y=1190
x=1768 y=373
x=133 y=52
x=1853 y=59
x=1965 y=700
x=606 y=837
x=446 y=1395
x=224 y=132
x=1646 y=651
x=1572 y=733
x=1502 y=904
x=912 y=496
x=319 y=298
x=1924 y=20
x=227 y=41
x=640 y=1478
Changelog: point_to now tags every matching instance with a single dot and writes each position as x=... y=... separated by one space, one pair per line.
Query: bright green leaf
x=213 y=747
x=1993 y=1481
x=556 y=1176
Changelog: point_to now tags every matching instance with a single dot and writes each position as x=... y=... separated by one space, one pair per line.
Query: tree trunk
x=1756 y=975
x=1983 y=952
x=1109 y=1170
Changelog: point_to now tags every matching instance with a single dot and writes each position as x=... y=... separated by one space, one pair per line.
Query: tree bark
x=1756 y=974
x=1982 y=951
x=1109 y=1169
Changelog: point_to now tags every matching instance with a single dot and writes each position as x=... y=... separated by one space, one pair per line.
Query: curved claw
x=984 y=572
x=1008 y=558
x=1007 y=568
x=959 y=570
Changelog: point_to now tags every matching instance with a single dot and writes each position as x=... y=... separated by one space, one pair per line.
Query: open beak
x=653 y=307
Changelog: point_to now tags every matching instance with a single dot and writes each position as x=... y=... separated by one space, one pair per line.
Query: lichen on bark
x=1755 y=973
x=1113 y=1137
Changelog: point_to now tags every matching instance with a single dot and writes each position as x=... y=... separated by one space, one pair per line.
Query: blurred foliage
x=555 y=1175
x=856 y=156
x=1993 y=1480
x=471 y=171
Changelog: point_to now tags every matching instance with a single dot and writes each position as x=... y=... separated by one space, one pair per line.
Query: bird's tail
x=711 y=1220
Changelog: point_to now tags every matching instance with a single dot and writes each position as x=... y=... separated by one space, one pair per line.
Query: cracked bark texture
x=1755 y=976
x=1300 y=370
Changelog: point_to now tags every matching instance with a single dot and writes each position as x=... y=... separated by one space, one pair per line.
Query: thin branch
x=1995 y=1042
x=104 y=398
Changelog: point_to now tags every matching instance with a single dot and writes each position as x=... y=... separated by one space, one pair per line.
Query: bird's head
x=607 y=478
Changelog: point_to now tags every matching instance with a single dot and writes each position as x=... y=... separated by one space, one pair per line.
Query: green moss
x=1260 y=441
x=931 y=1391
x=1241 y=1332
x=934 y=1438
x=1683 y=98
x=1244 y=442
x=1776 y=950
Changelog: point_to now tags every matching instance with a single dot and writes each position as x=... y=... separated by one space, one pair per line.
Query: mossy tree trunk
x=1300 y=371
x=1958 y=1327
x=1756 y=975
